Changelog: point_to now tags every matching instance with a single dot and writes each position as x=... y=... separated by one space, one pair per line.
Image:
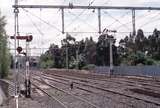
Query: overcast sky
x=45 y=24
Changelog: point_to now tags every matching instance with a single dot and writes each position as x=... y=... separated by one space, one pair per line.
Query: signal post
x=27 y=73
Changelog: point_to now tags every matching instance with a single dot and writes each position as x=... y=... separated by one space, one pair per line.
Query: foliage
x=89 y=67
x=4 y=53
x=132 y=50
x=140 y=49
x=46 y=61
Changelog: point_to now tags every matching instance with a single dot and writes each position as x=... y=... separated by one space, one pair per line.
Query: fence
x=131 y=70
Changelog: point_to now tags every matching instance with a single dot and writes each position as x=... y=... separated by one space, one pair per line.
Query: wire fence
x=130 y=70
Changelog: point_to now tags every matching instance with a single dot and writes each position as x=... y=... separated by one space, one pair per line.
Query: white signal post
x=27 y=76
x=16 y=11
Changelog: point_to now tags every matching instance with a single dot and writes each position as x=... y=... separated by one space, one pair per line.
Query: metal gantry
x=98 y=8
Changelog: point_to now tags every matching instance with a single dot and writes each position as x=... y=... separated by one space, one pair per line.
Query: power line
x=42 y=20
x=107 y=2
x=137 y=18
x=84 y=21
x=80 y=14
x=35 y=25
x=152 y=19
x=117 y=20
x=119 y=32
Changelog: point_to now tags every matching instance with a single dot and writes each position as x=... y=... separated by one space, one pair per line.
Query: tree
x=55 y=52
x=4 y=53
x=90 y=51
x=103 y=52
x=46 y=60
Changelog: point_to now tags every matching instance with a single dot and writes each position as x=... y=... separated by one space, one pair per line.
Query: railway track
x=66 y=92
x=65 y=83
x=119 y=81
x=128 y=81
x=49 y=95
x=109 y=90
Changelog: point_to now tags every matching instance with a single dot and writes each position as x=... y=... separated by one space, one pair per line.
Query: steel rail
x=59 y=89
x=44 y=91
x=84 y=89
x=52 y=97
x=116 y=92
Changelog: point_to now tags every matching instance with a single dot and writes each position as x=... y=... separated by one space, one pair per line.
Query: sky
x=45 y=24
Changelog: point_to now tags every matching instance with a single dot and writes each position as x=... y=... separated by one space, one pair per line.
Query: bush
x=89 y=67
x=47 y=64
x=149 y=62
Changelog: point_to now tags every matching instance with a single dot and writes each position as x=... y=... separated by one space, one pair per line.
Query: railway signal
x=27 y=73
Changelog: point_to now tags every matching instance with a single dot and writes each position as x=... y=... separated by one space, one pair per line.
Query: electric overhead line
x=107 y=2
x=117 y=20
x=34 y=24
x=137 y=18
x=90 y=3
x=42 y=20
x=39 y=31
x=152 y=19
x=120 y=32
x=84 y=21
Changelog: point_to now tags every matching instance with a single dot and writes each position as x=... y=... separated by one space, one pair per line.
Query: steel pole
x=111 y=56
x=16 y=11
x=99 y=20
x=134 y=22
x=62 y=20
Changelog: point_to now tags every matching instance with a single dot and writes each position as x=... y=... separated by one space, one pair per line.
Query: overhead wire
x=137 y=18
x=120 y=32
x=106 y=2
x=43 y=20
x=38 y=29
x=84 y=21
x=117 y=20
x=152 y=19
x=90 y=3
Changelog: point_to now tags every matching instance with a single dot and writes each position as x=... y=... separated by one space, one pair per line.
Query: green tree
x=46 y=60
x=4 y=53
